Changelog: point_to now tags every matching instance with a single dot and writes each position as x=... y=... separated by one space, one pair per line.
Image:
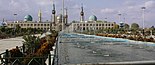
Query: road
x=81 y=49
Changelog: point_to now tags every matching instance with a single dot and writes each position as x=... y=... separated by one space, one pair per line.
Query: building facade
x=88 y=26
x=55 y=23
x=31 y=24
x=46 y=25
x=91 y=25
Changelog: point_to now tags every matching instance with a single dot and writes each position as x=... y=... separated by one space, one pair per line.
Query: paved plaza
x=10 y=43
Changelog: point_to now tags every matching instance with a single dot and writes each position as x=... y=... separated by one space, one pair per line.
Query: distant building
x=60 y=20
x=28 y=23
x=31 y=24
x=54 y=24
x=90 y=25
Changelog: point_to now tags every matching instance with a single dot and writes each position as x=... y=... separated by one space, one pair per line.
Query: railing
x=19 y=61
x=6 y=59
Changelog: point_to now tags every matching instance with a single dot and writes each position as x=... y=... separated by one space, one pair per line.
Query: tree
x=2 y=28
x=126 y=26
x=116 y=26
x=134 y=26
x=31 y=43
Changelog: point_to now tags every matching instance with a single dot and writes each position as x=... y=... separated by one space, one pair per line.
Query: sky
x=104 y=10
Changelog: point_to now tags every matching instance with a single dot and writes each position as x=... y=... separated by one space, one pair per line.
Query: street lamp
x=15 y=17
x=62 y=14
x=143 y=17
x=105 y=19
x=119 y=17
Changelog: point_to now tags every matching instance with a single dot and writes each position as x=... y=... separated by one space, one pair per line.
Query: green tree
x=116 y=26
x=18 y=27
x=134 y=26
x=3 y=28
x=126 y=26
x=31 y=43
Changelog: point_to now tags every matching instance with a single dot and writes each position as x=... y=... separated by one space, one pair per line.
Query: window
x=87 y=24
x=96 y=24
x=102 y=24
x=97 y=28
x=105 y=24
x=83 y=24
x=109 y=24
x=41 y=24
x=44 y=24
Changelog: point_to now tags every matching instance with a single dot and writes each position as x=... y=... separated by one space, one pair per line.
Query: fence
x=6 y=59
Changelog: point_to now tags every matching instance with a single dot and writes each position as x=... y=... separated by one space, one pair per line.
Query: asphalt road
x=81 y=49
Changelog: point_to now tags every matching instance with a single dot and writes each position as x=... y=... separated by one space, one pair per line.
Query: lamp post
x=143 y=17
x=15 y=17
x=105 y=19
x=62 y=15
x=119 y=17
x=121 y=23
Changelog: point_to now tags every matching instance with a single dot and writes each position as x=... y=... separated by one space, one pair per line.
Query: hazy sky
x=130 y=9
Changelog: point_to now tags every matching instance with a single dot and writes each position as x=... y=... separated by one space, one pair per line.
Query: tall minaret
x=66 y=16
x=40 y=16
x=3 y=19
x=53 y=13
x=82 y=14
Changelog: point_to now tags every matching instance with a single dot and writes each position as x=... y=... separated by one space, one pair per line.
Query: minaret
x=3 y=19
x=53 y=13
x=82 y=14
x=66 y=16
x=40 y=16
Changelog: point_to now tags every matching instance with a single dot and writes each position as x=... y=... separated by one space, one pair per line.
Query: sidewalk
x=10 y=43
